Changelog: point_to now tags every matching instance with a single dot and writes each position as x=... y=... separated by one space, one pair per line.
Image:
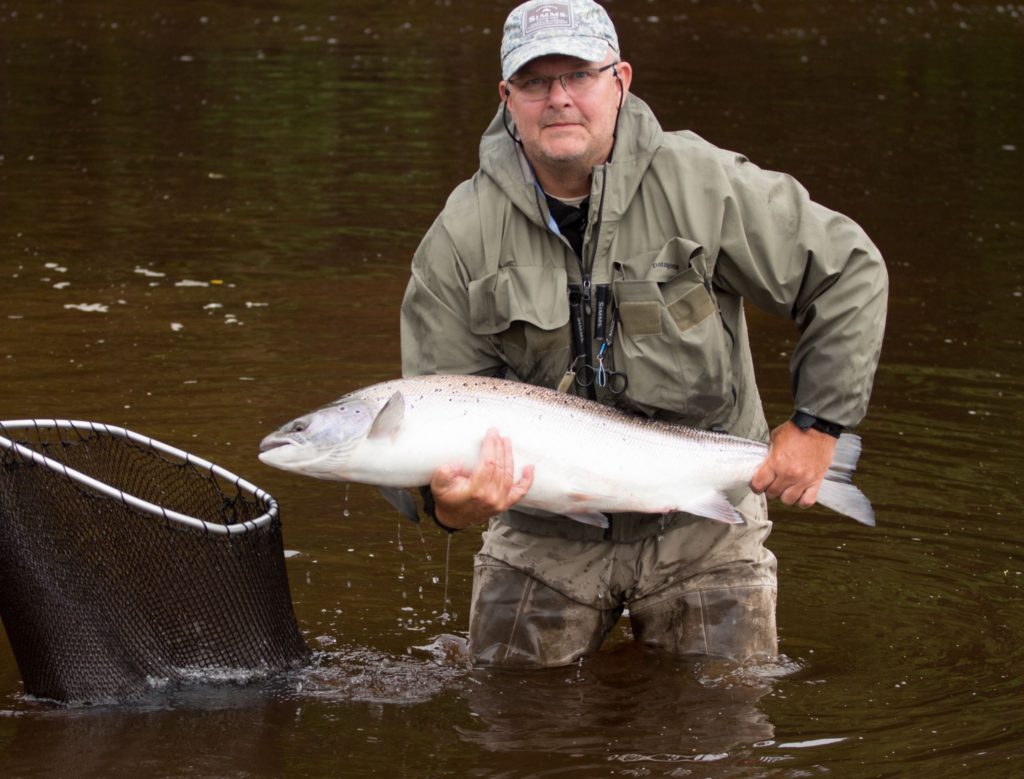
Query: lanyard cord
x=582 y=327
x=580 y=294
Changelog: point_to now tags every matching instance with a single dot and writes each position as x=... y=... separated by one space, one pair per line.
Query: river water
x=207 y=211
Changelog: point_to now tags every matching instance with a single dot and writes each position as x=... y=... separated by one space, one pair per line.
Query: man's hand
x=463 y=498
x=796 y=464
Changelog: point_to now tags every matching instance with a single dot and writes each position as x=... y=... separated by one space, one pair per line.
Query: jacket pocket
x=672 y=342
x=525 y=313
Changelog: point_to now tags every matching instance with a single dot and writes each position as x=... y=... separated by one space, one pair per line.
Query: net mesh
x=103 y=599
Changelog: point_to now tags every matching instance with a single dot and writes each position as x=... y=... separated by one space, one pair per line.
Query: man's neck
x=564 y=184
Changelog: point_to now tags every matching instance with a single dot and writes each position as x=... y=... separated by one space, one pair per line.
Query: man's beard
x=574 y=157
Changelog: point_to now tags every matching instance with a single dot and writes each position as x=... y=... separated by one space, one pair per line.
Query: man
x=594 y=251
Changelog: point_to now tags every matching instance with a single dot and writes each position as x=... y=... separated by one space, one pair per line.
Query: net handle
x=131 y=500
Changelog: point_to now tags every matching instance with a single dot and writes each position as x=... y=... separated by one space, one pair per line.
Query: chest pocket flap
x=674 y=346
x=676 y=278
x=534 y=294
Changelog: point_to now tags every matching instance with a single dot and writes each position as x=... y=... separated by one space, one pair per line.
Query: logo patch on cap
x=546 y=17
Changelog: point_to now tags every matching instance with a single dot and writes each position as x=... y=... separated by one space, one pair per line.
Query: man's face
x=563 y=131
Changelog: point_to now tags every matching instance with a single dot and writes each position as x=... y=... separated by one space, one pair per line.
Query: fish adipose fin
x=837 y=492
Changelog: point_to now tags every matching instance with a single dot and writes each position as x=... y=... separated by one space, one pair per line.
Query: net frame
x=186 y=458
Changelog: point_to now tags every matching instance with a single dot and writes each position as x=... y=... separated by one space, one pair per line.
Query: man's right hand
x=463 y=498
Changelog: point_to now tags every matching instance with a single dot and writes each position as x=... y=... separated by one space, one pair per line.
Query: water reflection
x=150 y=737
x=628 y=705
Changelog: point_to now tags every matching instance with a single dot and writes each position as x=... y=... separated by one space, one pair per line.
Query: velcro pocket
x=640 y=307
x=688 y=305
x=673 y=278
x=674 y=345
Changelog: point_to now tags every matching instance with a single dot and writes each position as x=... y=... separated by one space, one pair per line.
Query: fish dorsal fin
x=389 y=418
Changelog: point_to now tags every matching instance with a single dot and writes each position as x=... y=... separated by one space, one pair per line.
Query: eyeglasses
x=575 y=82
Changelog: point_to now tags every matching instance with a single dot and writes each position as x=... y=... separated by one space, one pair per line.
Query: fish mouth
x=277 y=452
x=274 y=441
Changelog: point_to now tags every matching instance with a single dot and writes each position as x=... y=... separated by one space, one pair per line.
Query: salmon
x=590 y=459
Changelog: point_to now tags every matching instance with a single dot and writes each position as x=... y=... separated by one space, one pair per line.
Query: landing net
x=127 y=564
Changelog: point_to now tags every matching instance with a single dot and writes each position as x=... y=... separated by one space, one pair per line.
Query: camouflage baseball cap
x=574 y=28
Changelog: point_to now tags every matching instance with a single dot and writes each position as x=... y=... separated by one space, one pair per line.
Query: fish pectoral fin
x=595 y=518
x=403 y=501
x=583 y=498
x=714 y=505
x=389 y=418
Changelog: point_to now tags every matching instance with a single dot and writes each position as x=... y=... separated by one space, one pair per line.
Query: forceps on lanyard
x=600 y=375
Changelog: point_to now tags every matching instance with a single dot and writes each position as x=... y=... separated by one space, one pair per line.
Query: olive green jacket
x=683 y=232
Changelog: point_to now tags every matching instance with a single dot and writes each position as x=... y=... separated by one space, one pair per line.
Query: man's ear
x=503 y=92
x=625 y=71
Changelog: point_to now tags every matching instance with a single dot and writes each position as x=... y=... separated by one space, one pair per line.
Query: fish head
x=320 y=444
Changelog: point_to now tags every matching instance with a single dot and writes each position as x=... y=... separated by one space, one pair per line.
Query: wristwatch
x=806 y=421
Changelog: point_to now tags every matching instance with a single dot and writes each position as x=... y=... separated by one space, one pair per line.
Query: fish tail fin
x=837 y=491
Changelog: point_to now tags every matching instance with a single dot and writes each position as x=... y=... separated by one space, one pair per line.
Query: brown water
x=207 y=212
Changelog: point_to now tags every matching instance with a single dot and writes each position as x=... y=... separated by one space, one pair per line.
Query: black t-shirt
x=571 y=221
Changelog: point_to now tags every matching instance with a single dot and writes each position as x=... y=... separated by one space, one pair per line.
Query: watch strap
x=806 y=421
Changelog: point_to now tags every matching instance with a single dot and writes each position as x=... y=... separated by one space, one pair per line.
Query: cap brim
x=589 y=49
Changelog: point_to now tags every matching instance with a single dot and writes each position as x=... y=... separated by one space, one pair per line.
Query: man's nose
x=558 y=92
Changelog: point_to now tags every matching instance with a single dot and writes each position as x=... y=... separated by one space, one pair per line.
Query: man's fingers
x=507 y=461
x=443 y=478
x=500 y=473
x=521 y=487
x=791 y=494
x=490 y=471
x=796 y=463
x=762 y=479
x=810 y=496
x=802 y=494
x=465 y=498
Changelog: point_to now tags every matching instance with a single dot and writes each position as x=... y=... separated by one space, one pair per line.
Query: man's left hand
x=796 y=464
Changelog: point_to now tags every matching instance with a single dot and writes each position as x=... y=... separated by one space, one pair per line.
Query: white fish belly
x=583 y=461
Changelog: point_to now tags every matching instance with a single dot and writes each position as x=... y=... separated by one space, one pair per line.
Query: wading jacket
x=681 y=232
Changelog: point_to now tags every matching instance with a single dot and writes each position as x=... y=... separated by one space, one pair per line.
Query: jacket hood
x=638 y=137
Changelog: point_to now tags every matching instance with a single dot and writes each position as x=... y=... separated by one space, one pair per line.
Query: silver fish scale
x=614 y=420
